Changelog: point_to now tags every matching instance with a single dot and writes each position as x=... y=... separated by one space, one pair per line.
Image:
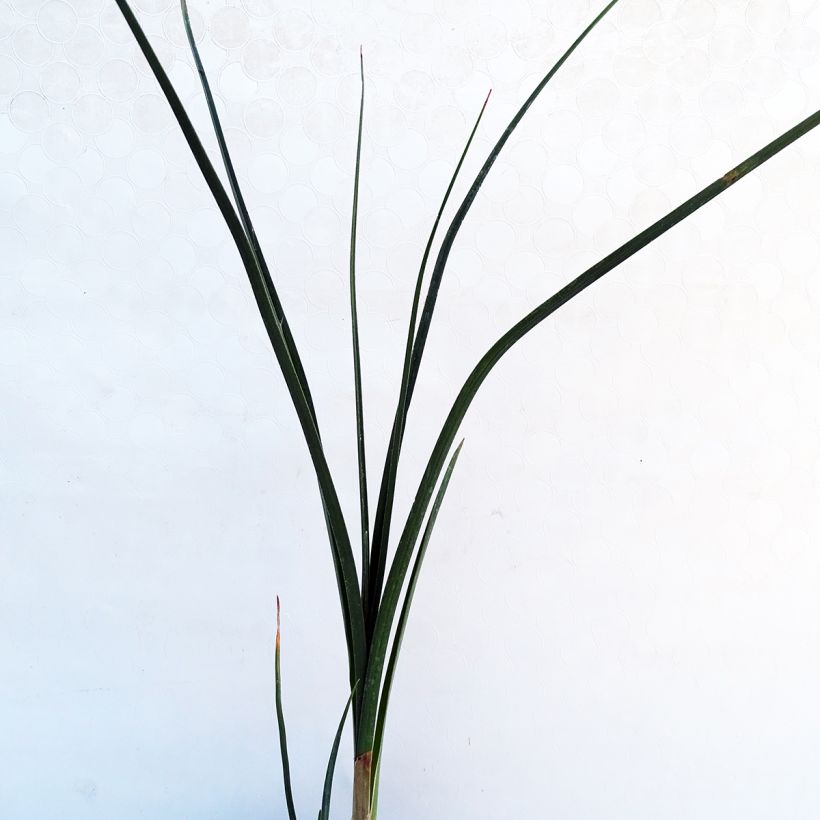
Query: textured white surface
x=620 y=615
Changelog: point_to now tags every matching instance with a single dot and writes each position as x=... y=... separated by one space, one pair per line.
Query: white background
x=619 y=617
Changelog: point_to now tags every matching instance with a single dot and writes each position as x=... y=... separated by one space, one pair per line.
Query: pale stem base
x=361 y=787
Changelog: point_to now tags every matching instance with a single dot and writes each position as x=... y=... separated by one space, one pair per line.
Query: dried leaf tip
x=278 y=622
x=487 y=98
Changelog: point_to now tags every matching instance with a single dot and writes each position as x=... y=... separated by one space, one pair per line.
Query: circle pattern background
x=634 y=528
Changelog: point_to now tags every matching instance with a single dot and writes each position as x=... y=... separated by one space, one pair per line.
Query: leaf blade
x=324 y=814
x=344 y=563
x=357 y=365
x=384 y=508
x=458 y=219
x=401 y=624
x=479 y=373
x=290 y=344
x=280 y=718
x=243 y=213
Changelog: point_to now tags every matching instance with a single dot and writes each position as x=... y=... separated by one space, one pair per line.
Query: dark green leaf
x=280 y=717
x=324 y=814
x=384 y=508
x=357 y=367
x=344 y=562
x=401 y=624
x=244 y=215
x=290 y=344
x=461 y=213
x=467 y=393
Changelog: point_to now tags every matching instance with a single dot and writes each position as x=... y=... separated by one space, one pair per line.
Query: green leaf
x=384 y=508
x=242 y=209
x=357 y=367
x=344 y=562
x=324 y=814
x=467 y=393
x=401 y=624
x=461 y=213
x=290 y=344
x=280 y=717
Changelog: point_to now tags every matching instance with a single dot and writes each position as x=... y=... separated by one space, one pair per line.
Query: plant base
x=361 y=786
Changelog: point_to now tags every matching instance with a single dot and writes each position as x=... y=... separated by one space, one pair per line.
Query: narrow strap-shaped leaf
x=381 y=531
x=474 y=381
x=247 y=225
x=461 y=213
x=280 y=718
x=357 y=367
x=324 y=814
x=384 y=508
x=401 y=624
x=344 y=562
x=244 y=215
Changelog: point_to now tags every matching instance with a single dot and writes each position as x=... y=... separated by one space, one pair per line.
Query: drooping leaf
x=404 y=550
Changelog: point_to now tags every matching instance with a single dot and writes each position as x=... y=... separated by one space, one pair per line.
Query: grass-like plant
x=370 y=593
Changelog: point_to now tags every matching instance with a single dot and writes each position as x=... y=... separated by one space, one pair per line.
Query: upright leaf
x=280 y=718
x=458 y=219
x=401 y=624
x=384 y=508
x=342 y=554
x=244 y=215
x=324 y=814
x=357 y=367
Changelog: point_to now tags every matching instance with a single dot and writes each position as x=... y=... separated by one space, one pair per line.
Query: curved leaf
x=357 y=366
x=280 y=719
x=344 y=562
x=401 y=624
x=324 y=814
x=384 y=508
x=467 y=393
